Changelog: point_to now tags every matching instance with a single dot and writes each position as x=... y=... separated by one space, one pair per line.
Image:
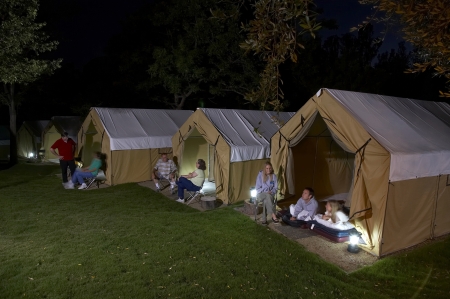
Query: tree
x=273 y=35
x=425 y=24
x=195 y=53
x=21 y=42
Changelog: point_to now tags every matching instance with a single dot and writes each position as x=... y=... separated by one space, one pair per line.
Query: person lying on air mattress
x=334 y=217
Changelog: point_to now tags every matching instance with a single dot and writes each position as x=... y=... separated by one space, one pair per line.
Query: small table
x=208 y=202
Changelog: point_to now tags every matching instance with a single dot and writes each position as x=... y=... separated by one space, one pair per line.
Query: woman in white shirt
x=334 y=217
x=192 y=181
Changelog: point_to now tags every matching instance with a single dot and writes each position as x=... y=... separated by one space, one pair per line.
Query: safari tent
x=391 y=155
x=29 y=138
x=4 y=143
x=132 y=140
x=53 y=130
x=234 y=143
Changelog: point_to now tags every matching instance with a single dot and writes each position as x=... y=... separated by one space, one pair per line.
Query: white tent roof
x=141 y=128
x=416 y=133
x=248 y=132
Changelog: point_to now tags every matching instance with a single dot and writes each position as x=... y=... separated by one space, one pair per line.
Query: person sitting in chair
x=192 y=181
x=87 y=172
x=266 y=188
x=164 y=168
x=306 y=206
x=334 y=217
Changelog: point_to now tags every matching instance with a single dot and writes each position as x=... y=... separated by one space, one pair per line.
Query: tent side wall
x=410 y=213
x=442 y=220
x=243 y=177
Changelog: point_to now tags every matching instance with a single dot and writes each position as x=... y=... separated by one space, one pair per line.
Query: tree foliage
x=21 y=42
x=196 y=53
x=425 y=24
x=273 y=36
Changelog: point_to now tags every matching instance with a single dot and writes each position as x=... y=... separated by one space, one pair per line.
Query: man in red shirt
x=66 y=151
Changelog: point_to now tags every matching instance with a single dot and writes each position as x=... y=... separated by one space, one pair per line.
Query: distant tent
x=234 y=143
x=53 y=130
x=391 y=155
x=132 y=140
x=29 y=138
x=4 y=143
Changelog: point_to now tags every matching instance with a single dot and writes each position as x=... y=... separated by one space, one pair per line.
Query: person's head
x=201 y=164
x=65 y=136
x=307 y=194
x=164 y=157
x=332 y=207
x=97 y=155
x=268 y=169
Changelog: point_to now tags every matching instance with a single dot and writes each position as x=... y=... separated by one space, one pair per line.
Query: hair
x=265 y=176
x=64 y=134
x=335 y=206
x=310 y=190
x=201 y=164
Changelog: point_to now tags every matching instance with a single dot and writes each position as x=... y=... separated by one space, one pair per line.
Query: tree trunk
x=12 y=125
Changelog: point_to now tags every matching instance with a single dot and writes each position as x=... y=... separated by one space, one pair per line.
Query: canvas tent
x=234 y=143
x=53 y=130
x=29 y=138
x=391 y=155
x=132 y=140
x=4 y=143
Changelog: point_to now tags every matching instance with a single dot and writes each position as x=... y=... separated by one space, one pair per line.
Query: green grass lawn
x=130 y=242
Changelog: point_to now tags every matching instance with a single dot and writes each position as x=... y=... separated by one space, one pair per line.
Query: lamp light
x=354 y=241
x=30 y=155
x=252 y=194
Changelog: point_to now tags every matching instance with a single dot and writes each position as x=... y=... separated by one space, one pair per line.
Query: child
x=334 y=217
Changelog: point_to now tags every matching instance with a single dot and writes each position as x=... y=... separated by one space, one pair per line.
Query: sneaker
x=158 y=189
x=83 y=186
x=172 y=190
x=180 y=200
x=64 y=185
x=70 y=185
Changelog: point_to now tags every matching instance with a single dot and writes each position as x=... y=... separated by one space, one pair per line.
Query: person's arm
x=74 y=146
x=312 y=209
x=190 y=175
x=298 y=209
x=259 y=183
x=275 y=186
x=173 y=167
x=52 y=150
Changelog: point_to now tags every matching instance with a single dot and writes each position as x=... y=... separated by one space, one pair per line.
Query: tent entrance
x=196 y=147
x=318 y=161
x=50 y=138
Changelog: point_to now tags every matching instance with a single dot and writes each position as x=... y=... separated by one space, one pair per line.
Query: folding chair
x=99 y=179
x=195 y=196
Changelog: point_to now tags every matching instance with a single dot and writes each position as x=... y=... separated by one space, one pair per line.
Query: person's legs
x=172 y=181
x=72 y=167
x=63 y=164
x=267 y=200
x=191 y=186
x=80 y=176
x=155 y=178
x=181 y=187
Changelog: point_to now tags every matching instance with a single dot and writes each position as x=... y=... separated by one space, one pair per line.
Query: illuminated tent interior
x=29 y=138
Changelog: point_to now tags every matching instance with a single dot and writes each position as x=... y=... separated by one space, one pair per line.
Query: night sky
x=83 y=27
x=85 y=35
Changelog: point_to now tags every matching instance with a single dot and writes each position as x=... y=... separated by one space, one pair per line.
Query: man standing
x=66 y=151
x=164 y=168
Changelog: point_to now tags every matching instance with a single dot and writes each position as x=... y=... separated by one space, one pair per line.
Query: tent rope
x=359 y=212
x=361 y=152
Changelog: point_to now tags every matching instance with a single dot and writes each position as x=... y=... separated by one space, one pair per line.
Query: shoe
x=180 y=200
x=275 y=220
x=83 y=186
x=158 y=189
x=264 y=222
x=172 y=190
x=70 y=185
x=64 y=185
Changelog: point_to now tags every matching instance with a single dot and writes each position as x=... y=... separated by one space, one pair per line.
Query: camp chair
x=165 y=182
x=275 y=202
x=99 y=179
x=194 y=196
